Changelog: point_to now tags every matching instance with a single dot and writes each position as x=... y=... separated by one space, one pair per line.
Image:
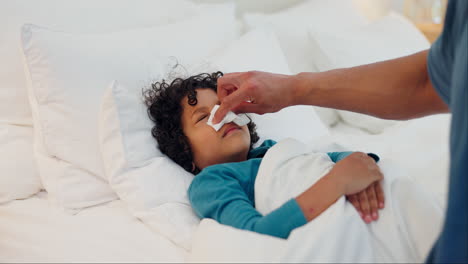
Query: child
x=226 y=164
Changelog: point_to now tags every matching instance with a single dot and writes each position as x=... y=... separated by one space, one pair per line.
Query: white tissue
x=240 y=120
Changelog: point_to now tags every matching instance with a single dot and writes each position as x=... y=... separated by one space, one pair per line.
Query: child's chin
x=238 y=136
x=239 y=144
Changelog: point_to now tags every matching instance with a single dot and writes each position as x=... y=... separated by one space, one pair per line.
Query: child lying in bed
x=226 y=164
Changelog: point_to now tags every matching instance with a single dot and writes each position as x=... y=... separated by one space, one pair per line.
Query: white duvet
x=414 y=160
x=404 y=233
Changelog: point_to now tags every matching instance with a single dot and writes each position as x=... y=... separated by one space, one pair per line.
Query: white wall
x=372 y=9
x=264 y=6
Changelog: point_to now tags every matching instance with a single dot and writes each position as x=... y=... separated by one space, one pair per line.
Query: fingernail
x=368 y=219
x=375 y=216
x=381 y=205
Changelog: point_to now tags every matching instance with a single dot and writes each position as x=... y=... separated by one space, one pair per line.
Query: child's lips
x=230 y=129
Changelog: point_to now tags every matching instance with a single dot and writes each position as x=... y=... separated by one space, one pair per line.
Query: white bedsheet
x=419 y=147
x=33 y=231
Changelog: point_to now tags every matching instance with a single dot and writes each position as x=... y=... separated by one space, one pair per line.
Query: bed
x=81 y=179
x=32 y=230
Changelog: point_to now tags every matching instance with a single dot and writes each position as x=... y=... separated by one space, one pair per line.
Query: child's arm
x=320 y=196
x=368 y=201
x=224 y=194
x=337 y=156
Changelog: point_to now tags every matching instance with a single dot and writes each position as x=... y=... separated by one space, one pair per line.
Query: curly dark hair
x=164 y=102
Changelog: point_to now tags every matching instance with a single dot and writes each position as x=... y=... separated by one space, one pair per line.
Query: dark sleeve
x=337 y=156
x=442 y=54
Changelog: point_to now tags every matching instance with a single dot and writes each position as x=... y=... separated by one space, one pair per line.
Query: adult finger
x=228 y=83
x=228 y=103
x=353 y=199
x=372 y=196
x=364 y=202
x=380 y=194
x=226 y=91
x=246 y=107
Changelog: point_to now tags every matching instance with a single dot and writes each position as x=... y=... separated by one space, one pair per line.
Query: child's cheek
x=208 y=132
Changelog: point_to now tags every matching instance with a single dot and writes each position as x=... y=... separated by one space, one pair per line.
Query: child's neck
x=238 y=157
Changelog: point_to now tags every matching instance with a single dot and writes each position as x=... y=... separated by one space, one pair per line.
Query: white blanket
x=402 y=233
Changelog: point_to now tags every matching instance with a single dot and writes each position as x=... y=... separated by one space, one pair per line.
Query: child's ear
x=194 y=168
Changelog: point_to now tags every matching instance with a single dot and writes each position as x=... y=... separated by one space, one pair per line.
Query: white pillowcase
x=18 y=176
x=69 y=74
x=84 y=16
x=153 y=186
x=390 y=37
x=387 y=38
x=291 y=26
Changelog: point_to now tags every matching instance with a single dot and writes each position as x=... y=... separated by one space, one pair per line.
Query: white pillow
x=152 y=185
x=390 y=37
x=84 y=16
x=291 y=26
x=367 y=123
x=69 y=74
x=19 y=178
x=374 y=10
x=387 y=38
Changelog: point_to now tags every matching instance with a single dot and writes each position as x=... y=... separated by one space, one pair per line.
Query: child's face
x=230 y=144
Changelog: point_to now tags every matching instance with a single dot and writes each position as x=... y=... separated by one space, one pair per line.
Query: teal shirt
x=225 y=193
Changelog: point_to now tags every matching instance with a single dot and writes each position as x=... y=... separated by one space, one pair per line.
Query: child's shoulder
x=268 y=143
x=260 y=151
x=241 y=172
x=231 y=168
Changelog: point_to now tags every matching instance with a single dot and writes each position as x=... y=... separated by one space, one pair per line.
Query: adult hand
x=368 y=201
x=356 y=172
x=254 y=92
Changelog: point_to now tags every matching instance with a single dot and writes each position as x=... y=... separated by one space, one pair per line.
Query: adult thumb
x=227 y=104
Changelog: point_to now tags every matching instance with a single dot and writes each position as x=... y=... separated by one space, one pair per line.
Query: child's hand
x=368 y=201
x=349 y=176
x=355 y=173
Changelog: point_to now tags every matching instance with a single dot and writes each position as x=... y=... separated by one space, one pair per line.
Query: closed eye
x=202 y=117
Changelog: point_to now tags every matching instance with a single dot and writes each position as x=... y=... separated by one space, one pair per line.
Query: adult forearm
x=393 y=89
